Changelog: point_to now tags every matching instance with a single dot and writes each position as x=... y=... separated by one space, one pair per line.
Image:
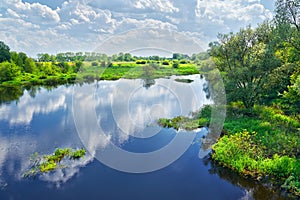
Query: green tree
x=30 y=66
x=21 y=59
x=4 y=52
x=287 y=19
x=288 y=12
x=78 y=65
x=120 y=56
x=293 y=94
x=127 y=57
x=44 y=57
x=246 y=59
x=8 y=71
x=14 y=57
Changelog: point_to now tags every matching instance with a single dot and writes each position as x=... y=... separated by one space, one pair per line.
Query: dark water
x=100 y=117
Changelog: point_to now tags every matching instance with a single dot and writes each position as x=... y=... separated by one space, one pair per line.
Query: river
x=129 y=156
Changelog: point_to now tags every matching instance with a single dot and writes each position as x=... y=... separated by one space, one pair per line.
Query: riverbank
x=262 y=144
x=52 y=74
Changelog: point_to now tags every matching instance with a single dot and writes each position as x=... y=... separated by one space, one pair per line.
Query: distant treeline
x=120 y=57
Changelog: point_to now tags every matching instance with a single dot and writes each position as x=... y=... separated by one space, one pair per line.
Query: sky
x=53 y=26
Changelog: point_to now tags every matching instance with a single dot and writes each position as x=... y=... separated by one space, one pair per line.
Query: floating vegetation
x=199 y=119
x=46 y=163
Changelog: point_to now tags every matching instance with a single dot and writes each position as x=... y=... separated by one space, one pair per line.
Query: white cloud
x=158 y=5
x=229 y=15
x=238 y=10
x=130 y=23
x=35 y=13
x=151 y=38
x=79 y=25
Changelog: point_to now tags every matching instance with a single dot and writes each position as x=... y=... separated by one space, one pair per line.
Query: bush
x=183 y=62
x=165 y=62
x=141 y=62
x=175 y=65
x=8 y=71
x=95 y=64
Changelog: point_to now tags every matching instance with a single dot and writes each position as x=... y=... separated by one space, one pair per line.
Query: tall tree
x=245 y=58
x=4 y=52
x=288 y=11
x=30 y=66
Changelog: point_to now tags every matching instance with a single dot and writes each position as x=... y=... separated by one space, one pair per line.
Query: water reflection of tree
x=15 y=92
x=258 y=190
x=147 y=83
x=148 y=72
x=10 y=93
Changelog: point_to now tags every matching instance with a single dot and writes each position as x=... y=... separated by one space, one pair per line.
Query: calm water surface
x=41 y=120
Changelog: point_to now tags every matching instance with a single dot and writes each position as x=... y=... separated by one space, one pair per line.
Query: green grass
x=261 y=142
x=89 y=73
x=264 y=144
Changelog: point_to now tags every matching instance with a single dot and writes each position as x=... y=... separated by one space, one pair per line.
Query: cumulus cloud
x=150 y=38
x=159 y=5
x=164 y=6
x=229 y=15
x=34 y=13
x=79 y=25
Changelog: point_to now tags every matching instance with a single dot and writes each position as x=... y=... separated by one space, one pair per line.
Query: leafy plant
x=48 y=163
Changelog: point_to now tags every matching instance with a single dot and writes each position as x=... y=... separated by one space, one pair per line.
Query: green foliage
x=199 y=119
x=175 y=123
x=279 y=80
x=175 y=64
x=141 y=62
x=30 y=66
x=77 y=154
x=183 y=61
x=246 y=58
x=165 y=62
x=287 y=12
x=241 y=153
x=4 y=52
x=48 y=163
x=21 y=59
x=95 y=63
x=292 y=95
x=78 y=66
x=265 y=143
x=292 y=183
x=8 y=71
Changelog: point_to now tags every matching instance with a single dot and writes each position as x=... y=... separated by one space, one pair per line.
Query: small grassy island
x=48 y=163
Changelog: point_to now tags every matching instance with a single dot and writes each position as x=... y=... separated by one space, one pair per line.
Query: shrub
x=8 y=71
x=175 y=65
x=141 y=62
x=165 y=62
x=183 y=62
x=95 y=64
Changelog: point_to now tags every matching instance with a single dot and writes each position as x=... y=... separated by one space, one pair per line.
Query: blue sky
x=35 y=26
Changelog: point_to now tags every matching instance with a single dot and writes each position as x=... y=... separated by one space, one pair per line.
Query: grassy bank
x=263 y=144
x=52 y=74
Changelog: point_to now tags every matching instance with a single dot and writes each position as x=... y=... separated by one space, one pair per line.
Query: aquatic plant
x=199 y=119
x=47 y=163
